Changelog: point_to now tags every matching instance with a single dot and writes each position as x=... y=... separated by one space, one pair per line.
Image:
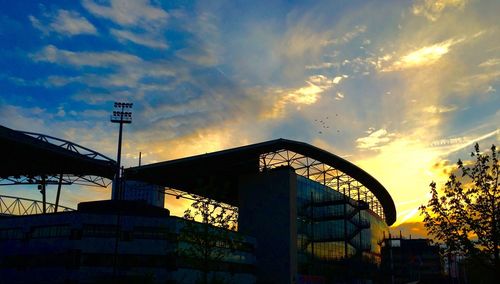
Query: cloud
x=410 y=229
x=374 y=140
x=129 y=13
x=347 y=37
x=324 y=65
x=221 y=78
x=448 y=141
x=305 y=95
x=424 y=56
x=432 y=9
x=141 y=39
x=141 y=22
x=67 y=23
x=52 y=54
x=439 y=109
x=199 y=54
x=481 y=80
x=339 y=96
x=490 y=62
x=490 y=89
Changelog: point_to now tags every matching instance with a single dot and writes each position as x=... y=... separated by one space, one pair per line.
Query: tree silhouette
x=466 y=215
x=211 y=241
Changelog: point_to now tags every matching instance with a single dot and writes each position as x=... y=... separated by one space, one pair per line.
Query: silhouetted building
x=411 y=260
x=109 y=242
x=305 y=215
x=316 y=217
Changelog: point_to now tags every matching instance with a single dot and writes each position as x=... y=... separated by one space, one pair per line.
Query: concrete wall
x=268 y=212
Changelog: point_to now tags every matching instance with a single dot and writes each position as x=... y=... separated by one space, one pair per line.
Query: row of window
x=332 y=227
x=74 y=259
x=88 y=230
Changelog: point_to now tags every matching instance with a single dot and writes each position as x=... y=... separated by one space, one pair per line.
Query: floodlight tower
x=122 y=113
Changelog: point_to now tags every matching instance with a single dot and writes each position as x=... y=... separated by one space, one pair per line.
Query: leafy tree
x=211 y=241
x=466 y=216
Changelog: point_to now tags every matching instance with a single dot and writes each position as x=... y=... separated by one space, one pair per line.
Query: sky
x=400 y=88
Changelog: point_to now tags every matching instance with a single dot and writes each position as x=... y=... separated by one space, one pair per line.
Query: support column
x=44 y=195
x=59 y=185
x=268 y=212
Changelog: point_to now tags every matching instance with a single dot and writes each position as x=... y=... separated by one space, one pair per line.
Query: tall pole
x=118 y=182
x=44 y=195
x=59 y=184
x=120 y=116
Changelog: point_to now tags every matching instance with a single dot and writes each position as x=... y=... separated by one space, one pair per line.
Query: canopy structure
x=222 y=169
x=27 y=157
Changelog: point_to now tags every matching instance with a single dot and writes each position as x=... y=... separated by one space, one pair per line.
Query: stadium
x=304 y=215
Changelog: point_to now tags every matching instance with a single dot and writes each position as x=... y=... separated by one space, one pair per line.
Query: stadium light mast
x=122 y=114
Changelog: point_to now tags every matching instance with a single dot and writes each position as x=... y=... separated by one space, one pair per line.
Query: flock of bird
x=323 y=124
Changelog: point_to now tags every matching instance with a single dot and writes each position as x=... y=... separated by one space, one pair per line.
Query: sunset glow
x=400 y=88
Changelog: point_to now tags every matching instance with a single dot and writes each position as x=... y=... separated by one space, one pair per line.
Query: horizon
x=402 y=89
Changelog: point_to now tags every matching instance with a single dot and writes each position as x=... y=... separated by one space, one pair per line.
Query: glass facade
x=333 y=229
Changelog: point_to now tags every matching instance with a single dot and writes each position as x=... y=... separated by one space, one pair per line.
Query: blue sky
x=401 y=88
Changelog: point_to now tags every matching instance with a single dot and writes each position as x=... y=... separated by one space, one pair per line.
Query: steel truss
x=67 y=179
x=68 y=145
x=11 y=205
x=323 y=173
x=42 y=180
x=193 y=197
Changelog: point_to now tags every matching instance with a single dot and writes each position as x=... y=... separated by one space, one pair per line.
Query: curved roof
x=223 y=166
x=31 y=154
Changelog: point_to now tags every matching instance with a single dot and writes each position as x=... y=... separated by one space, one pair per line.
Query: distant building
x=411 y=260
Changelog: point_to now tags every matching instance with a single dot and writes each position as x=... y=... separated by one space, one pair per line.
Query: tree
x=466 y=215
x=211 y=241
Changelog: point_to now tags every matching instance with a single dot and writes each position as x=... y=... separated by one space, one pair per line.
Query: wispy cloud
x=477 y=81
x=206 y=76
x=433 y=9
x=490 y=62
x=439 y=109
x=67 y=23
x=141 y=22
x=375 y=139
x=141 y=39
x=95 y=59
x=424 y=56
x=306 y=95
x=323 y=65
x=129 y=13
x=347 y=37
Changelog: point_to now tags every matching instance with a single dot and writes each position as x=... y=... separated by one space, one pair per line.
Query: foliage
x=466 y=216
x=212 y=240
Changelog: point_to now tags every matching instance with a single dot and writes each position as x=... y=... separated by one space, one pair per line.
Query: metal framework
x=43 y=177
x=322 y=173
x=11 y=205
x=68 y=145
x=67 y=179
x=193 y=197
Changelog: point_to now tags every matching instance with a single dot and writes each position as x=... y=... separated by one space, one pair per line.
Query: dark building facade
x=304 y=215
x=411 y=260
x=316 y=217
x=110 y=242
